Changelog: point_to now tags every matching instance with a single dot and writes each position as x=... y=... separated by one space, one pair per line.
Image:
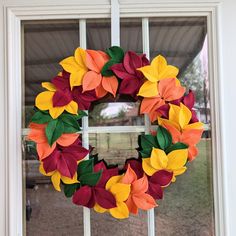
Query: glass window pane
x=187 y=207
x=116 y=114
x=46 y=43
x=115 y=149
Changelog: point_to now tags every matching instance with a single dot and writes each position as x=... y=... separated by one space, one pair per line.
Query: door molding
x=13 y=15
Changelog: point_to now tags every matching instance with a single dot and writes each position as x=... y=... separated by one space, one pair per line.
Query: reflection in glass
x=115 y=148
x=131 y=34
x=115 y=114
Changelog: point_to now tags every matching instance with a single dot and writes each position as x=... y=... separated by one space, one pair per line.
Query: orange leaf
x=144 y=201
x=95 y=60
x=175 y=133
x=100 y=91
x=37 y=133
x=131 y=205
x=44 y=150
x=191 y=136
x=110 y=84
x=67 y=139
x=140 y=185
x=129 y=176
x=169 y=91
x=91 y=80
x=192 y=152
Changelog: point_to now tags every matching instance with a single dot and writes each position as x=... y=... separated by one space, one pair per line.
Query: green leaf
x=69 y=189
x=176 y=146
x=148 y=141
x=90 y=179
x=54 y=130
x=106 y=68
x=145 y=153
x=80 y=115
x=69 y=129
x=41 y=117
x=116 y=53
x=85 y=167
x=164 y=138
x=70 y=121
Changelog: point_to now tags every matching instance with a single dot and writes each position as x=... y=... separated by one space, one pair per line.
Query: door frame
x=13 y=15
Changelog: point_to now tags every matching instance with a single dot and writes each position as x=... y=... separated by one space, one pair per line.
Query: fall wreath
x=88 y=76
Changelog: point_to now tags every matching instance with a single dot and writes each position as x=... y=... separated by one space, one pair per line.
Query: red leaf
x=161 y=177
x=82 y=196
x=104 y=198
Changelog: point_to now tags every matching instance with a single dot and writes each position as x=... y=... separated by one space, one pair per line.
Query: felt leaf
x=177 y=159
x=131 y=206
x=140 y=185
x=54 y=130
x=113 y=180
x=90 y=179
x=147 y=167
x=72 y=107
x=49 y=86
x=163 y=137
x=155 y=190
x=70 y=121
x=120 y=191
x=116 y=53
x=146 y=153
x=56 y=111
x=43 y=100
x=129 y=176
x=159 y=159
x=67 y=139
x=176 y=146
x=41 y=118
x=69 y=189
x=161 y=177
x=91 y=80
x=148 y=89
x=148 y=141
x=104 y=198
x=106 y=70
x=110 y=84
x=85 y=167
x=144 y=201
x=56 y=179
x=82 y=196
x=120 y=212
x=99 y=209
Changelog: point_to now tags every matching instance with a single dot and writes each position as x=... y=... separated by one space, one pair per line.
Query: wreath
x=89 y=76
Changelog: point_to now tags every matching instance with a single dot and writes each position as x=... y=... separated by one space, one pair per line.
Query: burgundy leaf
x=136 y=165
x=161 y=177
x=130 y=86
x=189 y=99
x=82 y=196
x=78 y=152
x=92 y=201
x=155 y=190
x=50 y=162
x=104 y=198
x=61 y=98
x=83 y=99
x=61 y=82
x=119 y=71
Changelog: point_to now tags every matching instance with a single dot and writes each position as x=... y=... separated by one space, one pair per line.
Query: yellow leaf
x=113 y=180
x=185 y=115
x=150 y=73
x=196 y=125
x=72 y=107
x=44 y=100
x=43 y=172
x=159 y=63
x=177 y=159
x=49 y=86
x=158 y=159
x=147 y=167
x=56 y=111
x=80 y=57
x=169 y=72
x=120 y=191
x=120 y=212
x=69 y=64
x=164 y=122
x=148 y=89
x=76 y=77
x=99 y=209
x=67 y=180
x=180 y=171
x=56 y=178
x=174 y=114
